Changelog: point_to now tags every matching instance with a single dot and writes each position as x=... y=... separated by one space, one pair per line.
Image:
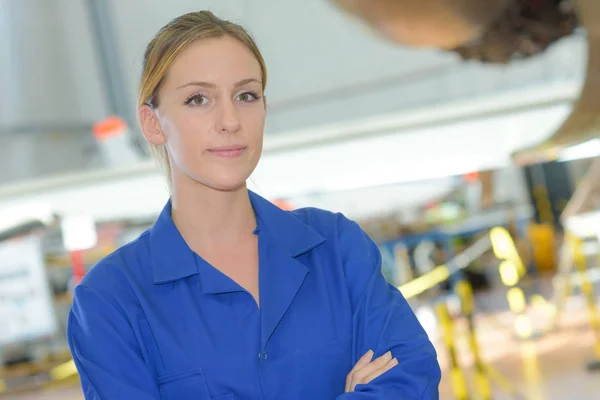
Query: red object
x=109 y=127
x=284 y=205
x=471 y=177
x=78 y=265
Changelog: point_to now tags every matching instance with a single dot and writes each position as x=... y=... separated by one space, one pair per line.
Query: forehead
x=221 y=61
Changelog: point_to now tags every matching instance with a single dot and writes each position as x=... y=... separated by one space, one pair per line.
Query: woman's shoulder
x=128 y=263
x=348 y=243
x=329 y=224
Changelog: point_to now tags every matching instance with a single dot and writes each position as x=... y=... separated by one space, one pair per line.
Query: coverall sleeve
x=105 y=350
x=383 y=321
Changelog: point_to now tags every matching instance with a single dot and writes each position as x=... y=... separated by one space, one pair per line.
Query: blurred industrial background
x=463 y=135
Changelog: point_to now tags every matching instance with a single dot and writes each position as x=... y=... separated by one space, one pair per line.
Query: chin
x=225 y=184
x=221 y=179
x=230 y=187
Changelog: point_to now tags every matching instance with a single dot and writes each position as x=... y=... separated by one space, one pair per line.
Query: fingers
x=363 y=361
x=372 y=367
x=391 y=364
x=372 y=370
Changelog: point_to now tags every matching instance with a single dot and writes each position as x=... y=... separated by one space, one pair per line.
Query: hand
x=366 y=370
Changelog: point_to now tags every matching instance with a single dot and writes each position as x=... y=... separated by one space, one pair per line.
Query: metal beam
x=67 y=127
x=109 y=59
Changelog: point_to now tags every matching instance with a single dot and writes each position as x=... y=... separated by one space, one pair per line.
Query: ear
x=150 y=125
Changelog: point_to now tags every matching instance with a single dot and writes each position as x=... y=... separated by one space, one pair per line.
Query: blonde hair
x=169 y=43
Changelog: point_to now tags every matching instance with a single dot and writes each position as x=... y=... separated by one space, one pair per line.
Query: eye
x=248 y=97
x=196 y=100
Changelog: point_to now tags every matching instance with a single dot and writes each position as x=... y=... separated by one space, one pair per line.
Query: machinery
x=499 y=32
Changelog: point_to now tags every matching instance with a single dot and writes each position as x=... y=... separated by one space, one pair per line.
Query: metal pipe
x=107 y=45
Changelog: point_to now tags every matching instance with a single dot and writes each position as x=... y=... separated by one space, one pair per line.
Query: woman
x=183 y=312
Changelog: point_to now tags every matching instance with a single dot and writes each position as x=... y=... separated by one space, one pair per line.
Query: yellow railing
x=443 y=272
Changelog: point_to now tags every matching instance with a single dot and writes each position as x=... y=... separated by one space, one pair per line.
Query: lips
x=231 y=151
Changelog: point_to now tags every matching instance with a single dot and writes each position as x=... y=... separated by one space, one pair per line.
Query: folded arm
x=383 y=321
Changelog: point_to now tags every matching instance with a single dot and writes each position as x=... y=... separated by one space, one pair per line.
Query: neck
x=207 y=217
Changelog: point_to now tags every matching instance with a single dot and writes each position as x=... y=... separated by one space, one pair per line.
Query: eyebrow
x=212 y=85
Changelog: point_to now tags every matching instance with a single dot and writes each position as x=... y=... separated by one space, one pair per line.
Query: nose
x=228 y=120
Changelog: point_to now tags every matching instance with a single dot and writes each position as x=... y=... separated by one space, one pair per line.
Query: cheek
x=255 y=125
x=259 y=143
x=185 y=133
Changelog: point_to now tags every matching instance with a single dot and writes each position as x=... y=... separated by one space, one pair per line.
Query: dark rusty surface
x=525 y=29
